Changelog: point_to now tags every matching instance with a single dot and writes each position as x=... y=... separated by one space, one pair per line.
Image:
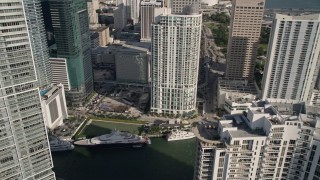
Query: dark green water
x=161 y=160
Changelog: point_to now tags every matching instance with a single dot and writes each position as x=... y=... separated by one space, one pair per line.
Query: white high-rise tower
x=293 y=57
x=24 y=147
x=175 y=62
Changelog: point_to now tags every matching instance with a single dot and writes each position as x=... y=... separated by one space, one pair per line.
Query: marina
x=159 y=160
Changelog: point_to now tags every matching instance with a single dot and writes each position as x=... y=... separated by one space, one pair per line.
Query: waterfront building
x=24 y=147
x=53 y=105
x=72 y=36
x=149 y=9
x=181 y=6
x=275 y=139
x=244 y=34
x=292 y=63
x=175 y=51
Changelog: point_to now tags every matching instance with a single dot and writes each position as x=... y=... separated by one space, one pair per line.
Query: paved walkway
x=116 y=122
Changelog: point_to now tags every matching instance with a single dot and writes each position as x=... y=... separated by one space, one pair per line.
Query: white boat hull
x=182 y=138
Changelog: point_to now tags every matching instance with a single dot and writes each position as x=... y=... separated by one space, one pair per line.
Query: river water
x=161 y=160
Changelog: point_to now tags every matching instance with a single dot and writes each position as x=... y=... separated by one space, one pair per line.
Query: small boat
x=57 y=144
x=176 y=135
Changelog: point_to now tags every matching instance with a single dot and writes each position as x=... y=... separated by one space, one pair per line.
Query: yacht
x=57 y=144
x=115 y=139
x=176 y=135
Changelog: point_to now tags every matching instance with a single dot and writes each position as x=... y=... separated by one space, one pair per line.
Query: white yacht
x=115 y=139
x=57 y=144
x=176 y=135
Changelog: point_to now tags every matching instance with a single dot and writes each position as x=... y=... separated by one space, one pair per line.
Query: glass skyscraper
x=24 y=147
x=71 y=30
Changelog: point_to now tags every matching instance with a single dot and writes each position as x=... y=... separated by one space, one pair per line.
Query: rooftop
x=237 y=87
x=243 y=130
x=47 y=93
x=99 y=29
x=208 y=133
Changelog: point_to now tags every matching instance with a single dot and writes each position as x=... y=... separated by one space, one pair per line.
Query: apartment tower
x=24 y=147
x=72 y=35
x=293 y=57
x=244 y=33
x=276 y=139
x=175 y=51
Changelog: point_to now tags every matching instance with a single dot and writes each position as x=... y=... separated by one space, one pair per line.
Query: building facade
x=148 y=8
x=93 y=5
x=132 y=65
x=59 y=69
x=293 y=58
x=175 y=63
x=72 y=35
x=24 y=147
x=181 y=6
x=244 y=34
x=273 y=140
x=104 y=35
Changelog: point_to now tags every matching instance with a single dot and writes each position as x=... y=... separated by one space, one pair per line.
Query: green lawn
x=98 y=128
x=118 y=120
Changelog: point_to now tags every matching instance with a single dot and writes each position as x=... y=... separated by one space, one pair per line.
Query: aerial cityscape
x=160 y=89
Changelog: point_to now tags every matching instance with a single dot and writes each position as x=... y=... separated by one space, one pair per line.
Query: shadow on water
x=160 y=160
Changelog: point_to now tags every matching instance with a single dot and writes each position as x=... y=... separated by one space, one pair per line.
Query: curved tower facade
x=175 y=63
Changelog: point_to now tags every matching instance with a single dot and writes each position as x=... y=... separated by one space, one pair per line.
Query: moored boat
x=176 y=135
x=57 y=144
x=115 y=139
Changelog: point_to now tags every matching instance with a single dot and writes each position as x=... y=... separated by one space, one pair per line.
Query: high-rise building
x=244 y=33
x=93 y=5
x=148 y=12
x=293 y=57
x=175 y=48
x=134 y=11
x=182 y=6
x=276 y=139
x=24 y=148
x=121 y=14
x=127 y=11
x=38 y=41
x=72 y=35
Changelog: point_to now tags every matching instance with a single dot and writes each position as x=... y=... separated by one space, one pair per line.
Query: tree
x=261 y=51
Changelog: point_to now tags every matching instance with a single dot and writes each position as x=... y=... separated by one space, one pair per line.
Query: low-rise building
x=235 y=96
x=132 y=64
x=273 y=140
x=53 y=105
